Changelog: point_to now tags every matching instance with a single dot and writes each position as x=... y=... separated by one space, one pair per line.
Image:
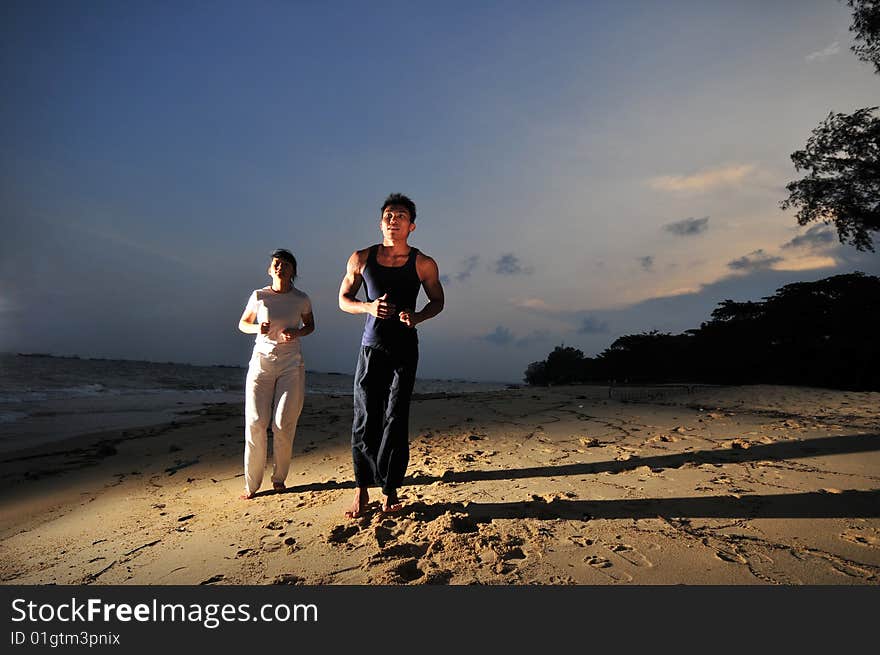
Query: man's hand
x=289 y=334
x=408 y=318
x=381 y=308
x=264 y=327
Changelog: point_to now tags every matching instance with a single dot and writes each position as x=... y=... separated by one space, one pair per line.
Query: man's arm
x=429 y=274
x=351 y=284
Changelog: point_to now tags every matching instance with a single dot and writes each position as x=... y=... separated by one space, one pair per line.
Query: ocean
x=44 y=398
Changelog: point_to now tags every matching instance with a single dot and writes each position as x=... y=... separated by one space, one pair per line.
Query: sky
x=581 y=170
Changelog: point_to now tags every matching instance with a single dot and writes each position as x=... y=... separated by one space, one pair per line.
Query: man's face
x=396 y=222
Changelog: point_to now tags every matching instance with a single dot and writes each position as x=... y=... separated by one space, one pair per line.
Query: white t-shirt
x=282 y=310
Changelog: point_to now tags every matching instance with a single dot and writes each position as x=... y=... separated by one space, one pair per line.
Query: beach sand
x=708 y=486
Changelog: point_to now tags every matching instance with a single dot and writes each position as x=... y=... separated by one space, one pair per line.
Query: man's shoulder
x=423 y=258
x=359 y=257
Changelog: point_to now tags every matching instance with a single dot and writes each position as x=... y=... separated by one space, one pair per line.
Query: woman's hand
x=264 y=327
x=289 y=334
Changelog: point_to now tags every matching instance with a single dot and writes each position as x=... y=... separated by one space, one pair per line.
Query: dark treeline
x=824 y=333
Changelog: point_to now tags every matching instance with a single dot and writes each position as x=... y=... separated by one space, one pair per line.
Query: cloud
x=501 y=336
x=754 y=261
x=681 y=291
x=646 y=262
x=535 y=337
x=592 y=325
x=532 y=303
x=688 y=226
x=509 y=264
x=823 y=54
x=703 y=181
x=581 y=320
x=818 y=236
x=467 y=267
x=809 y=263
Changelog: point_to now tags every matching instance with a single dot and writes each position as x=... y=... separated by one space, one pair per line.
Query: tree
x=866 y=27
x=536 y=374
x=842 y=156
x=843 y=184
x=564 y=365
x=821 y=333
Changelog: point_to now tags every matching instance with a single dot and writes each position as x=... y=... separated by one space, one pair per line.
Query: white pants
x=279 y=381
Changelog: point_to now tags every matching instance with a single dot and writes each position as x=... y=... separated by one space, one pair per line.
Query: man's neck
x=399 y=247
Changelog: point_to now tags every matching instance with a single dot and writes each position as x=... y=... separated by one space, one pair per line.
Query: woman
x=279 y=314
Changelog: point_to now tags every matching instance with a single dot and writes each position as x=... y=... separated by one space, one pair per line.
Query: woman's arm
x=289 y=334
x=248 y=323
x=308 y=324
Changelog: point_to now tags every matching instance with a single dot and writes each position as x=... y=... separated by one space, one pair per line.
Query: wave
x=99 y=390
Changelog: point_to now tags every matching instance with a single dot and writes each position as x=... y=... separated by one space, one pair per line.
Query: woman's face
x=280 y=269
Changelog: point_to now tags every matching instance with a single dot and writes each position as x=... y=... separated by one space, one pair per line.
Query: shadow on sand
x=848 y=504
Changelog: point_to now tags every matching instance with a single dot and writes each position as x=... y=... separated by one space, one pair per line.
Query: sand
x=708 y=486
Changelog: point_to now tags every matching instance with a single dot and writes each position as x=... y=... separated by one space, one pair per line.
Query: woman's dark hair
x=286 y=255
x=402 y=201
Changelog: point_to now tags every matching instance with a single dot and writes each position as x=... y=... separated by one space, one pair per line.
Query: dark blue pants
x=383 y=384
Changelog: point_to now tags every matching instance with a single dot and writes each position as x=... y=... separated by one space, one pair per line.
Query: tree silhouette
x=843 y=184
x=842 y=157
x=821 y=333
x=866 y=26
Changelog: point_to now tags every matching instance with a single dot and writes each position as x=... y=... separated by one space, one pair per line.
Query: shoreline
x=737 y=485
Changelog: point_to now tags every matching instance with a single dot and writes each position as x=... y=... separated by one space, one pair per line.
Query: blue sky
x=582 y=170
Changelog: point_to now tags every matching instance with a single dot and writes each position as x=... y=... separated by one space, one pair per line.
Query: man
x=393 y=273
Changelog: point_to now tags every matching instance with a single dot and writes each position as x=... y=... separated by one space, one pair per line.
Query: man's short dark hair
x=402 y=201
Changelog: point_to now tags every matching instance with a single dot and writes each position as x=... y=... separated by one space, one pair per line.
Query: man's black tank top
x=402 y=285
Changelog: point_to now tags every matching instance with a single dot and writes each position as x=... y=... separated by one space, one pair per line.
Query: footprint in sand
x=871 y=541
x=340 y=534
x=270 y=543
x=213 y=579
x=732 y=557
x=513 y=553
x=605 y=567
x=630 y=554
x=383 y=535
x=403 y=572
x=397 y=551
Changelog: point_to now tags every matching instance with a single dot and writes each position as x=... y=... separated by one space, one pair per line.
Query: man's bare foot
x=359 y=504
x=391 y=503
x=278 y=487
x=247 y=495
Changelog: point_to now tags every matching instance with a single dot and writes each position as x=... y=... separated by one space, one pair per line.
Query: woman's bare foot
x=359 y=504
x=391 y=503
x=247 y=495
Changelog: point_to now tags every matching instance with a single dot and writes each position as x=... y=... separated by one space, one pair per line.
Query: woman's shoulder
x=299 y=293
